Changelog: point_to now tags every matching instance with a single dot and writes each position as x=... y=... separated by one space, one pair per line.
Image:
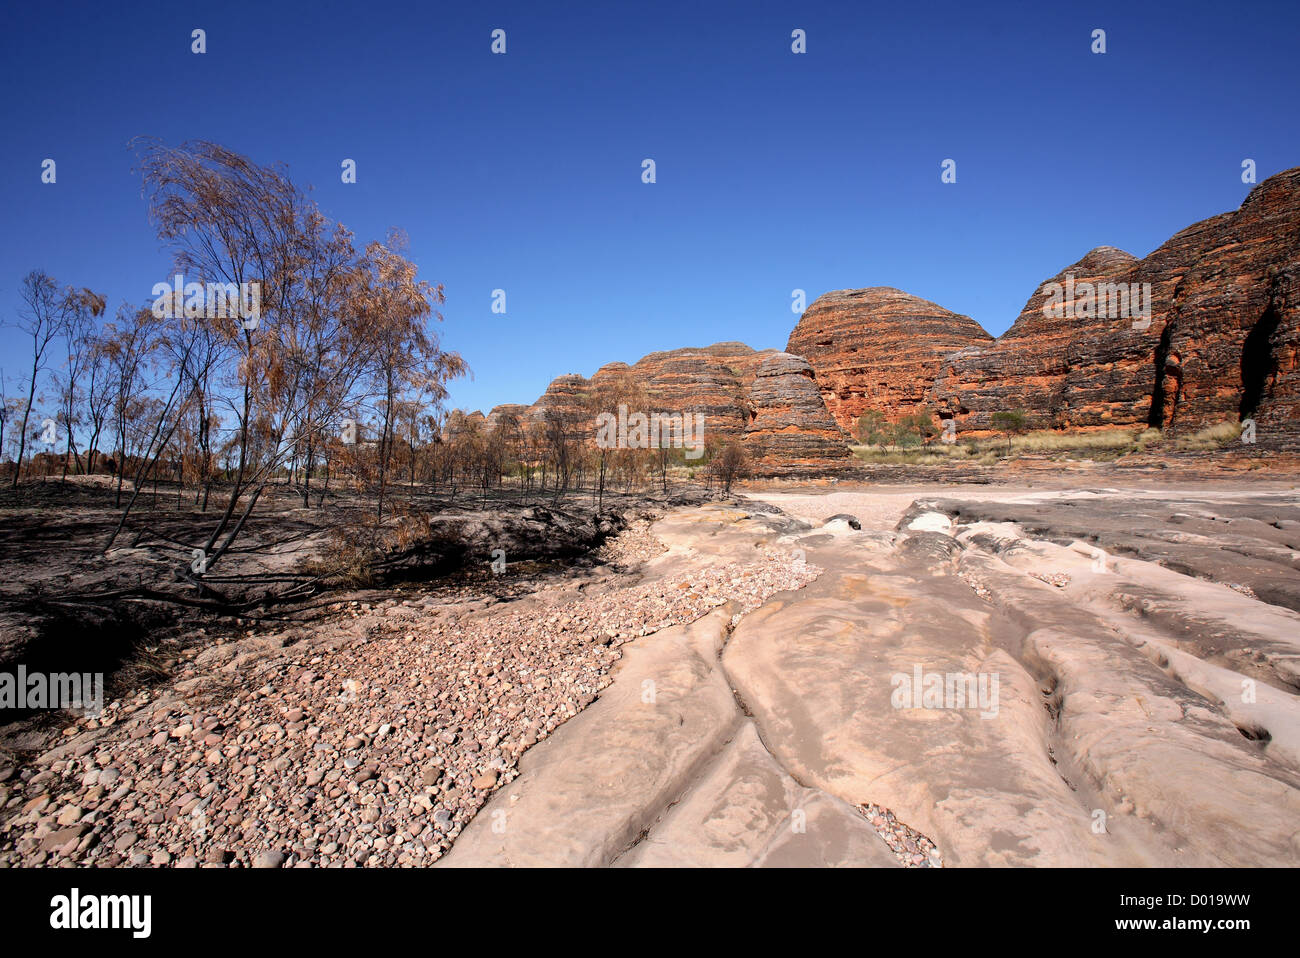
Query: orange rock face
x=1060 y=363
x=1218 y=342
x=766 y=399
x=1228 y=347
x=878 y=348
x=713 y=381
x=790 y=425
x=566 y=395
x=507 y=411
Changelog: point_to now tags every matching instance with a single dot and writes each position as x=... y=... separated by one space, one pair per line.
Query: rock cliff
x=1204 y=329
x=878 y=348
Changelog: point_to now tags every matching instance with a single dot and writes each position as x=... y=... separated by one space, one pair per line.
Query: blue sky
x=775 y=171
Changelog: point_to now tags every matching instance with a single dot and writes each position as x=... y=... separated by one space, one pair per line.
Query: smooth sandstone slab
x=746 y=811
x=1235 y=652
x=817 y=674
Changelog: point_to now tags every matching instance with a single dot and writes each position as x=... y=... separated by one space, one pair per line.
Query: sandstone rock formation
x=506 y=410
x=458 y=421
x=712 y=380
x=566 y=395
x=790 y=426
x=1219 y=340
x=1064 y=371
x=767 y=399
x=1204 y=329
x=1229 y=345
x=878 y=348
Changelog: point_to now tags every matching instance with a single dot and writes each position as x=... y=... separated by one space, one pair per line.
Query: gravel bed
x=910 y=847
x=370 y=740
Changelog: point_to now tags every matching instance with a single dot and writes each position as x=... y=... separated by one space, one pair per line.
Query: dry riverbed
x=1129 y=692
x=723 y=692
x=370 y=741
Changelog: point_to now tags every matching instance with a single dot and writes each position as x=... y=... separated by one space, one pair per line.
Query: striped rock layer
x=713 y=381
x=879 y=349
x=1219 y=341
x=790 y=425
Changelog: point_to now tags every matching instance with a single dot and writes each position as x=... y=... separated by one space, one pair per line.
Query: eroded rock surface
x=1112 y=712
x=878 y=348
x=1218 y=342
x=1015 y=677
x=712 y=381
x=666 y=768
x=790 y=427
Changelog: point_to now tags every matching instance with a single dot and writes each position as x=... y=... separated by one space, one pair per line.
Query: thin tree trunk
x=22 y=436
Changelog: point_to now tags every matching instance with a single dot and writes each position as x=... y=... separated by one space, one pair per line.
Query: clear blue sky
x=775 y=171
